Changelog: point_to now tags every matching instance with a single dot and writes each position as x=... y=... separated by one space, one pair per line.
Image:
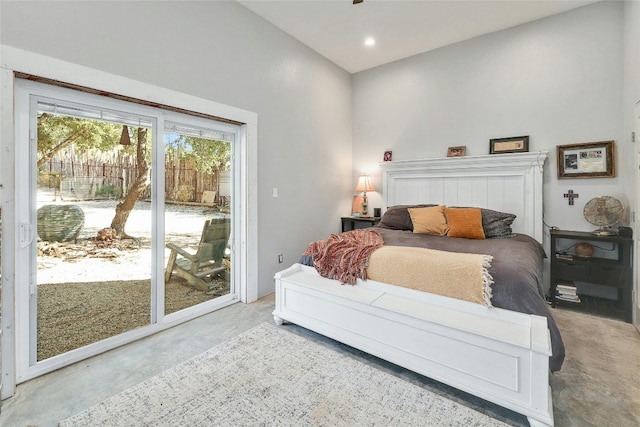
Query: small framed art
x=458 y=151
x=387 y=156
x=356 y=206
x=588 y=160
x=516 y=144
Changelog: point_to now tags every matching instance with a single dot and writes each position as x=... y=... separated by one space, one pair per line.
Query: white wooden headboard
x=503 y=182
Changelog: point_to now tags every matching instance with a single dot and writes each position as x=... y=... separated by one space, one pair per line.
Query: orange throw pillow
x=465 y=222
x=429 y=220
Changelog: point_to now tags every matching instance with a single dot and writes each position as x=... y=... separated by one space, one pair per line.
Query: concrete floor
x=599 y=383
x=48 y=399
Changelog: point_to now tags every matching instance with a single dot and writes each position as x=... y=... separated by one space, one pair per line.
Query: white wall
x=223 y=52
x=558 y=80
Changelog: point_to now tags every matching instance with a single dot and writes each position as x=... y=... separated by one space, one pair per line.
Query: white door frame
x=18 y=60
x=28 y=94
x=7 y=180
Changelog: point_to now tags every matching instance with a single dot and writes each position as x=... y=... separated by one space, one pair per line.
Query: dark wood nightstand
x=611 y=267
x=354 y=222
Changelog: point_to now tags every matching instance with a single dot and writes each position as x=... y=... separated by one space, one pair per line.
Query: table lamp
x=365 y=184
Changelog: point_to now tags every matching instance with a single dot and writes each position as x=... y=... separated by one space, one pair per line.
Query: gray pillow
x=398 y=218
x=497 y=225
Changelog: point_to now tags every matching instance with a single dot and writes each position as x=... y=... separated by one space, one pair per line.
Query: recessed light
x=369 y=41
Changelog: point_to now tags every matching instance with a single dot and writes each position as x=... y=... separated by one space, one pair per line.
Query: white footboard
x=495 y=354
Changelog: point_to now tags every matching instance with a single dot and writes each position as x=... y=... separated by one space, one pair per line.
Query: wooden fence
x=108 y=178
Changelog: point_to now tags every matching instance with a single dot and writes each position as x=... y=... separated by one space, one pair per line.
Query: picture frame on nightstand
x=356 y=206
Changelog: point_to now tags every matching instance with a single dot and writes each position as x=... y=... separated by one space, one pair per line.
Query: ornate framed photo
x=458 y=151
x=588 y=160
x=515 y=144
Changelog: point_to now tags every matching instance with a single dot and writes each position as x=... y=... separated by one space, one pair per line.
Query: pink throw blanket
x=345 y=256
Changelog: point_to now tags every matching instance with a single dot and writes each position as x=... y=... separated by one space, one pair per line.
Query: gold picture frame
x=587 y=160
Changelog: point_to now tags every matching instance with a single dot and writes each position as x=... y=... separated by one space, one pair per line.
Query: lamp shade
x=365 y=184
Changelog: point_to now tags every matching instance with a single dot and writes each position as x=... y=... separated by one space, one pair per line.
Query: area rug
x=268 y=376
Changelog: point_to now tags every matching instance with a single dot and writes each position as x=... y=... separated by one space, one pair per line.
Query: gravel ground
x=71 y=315
x=86 y=293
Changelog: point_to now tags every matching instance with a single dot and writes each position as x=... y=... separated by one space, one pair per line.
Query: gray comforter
x=516 y=271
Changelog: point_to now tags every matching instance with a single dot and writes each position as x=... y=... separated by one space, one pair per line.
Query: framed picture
x=458 y=151
x=516 y=144
x=356 y=206
x=387 y=156
x=588 y=160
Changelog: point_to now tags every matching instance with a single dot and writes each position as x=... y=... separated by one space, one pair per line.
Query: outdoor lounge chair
x=207 y=260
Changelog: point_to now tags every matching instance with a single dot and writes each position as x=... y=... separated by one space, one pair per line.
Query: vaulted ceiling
x=337 y=29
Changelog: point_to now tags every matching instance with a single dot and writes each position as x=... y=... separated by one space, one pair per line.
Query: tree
x=207 y=156
x=56 y=133
x=124 y=208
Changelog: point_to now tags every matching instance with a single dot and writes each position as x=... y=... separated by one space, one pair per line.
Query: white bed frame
x=498 y=355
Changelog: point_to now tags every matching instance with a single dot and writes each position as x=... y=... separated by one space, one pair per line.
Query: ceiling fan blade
x=357 y=1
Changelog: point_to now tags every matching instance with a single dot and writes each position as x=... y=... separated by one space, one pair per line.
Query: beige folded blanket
x=452 y=274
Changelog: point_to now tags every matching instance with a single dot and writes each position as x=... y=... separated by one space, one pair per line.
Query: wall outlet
x=280 y=259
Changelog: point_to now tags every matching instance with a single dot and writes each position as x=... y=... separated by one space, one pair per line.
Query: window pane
x=197 y=216
x=94 y=230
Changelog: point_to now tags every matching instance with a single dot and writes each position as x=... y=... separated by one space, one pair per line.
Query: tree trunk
x=142 y=181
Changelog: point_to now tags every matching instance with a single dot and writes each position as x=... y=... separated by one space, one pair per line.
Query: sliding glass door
x=128 y=227
x=93 y=254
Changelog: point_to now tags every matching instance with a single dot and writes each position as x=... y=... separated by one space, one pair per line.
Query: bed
x=497 y=354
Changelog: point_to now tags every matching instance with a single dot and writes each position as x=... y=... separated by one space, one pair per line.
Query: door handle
x=26 y=234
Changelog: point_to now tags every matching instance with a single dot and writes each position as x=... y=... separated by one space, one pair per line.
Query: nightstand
x=354 y=222
x=611 y=267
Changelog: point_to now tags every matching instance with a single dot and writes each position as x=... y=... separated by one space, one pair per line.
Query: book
x=564 y=283
x=569 y=298
x=566 y=289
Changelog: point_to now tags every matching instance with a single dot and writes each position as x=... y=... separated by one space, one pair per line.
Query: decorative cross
x=571 y=195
